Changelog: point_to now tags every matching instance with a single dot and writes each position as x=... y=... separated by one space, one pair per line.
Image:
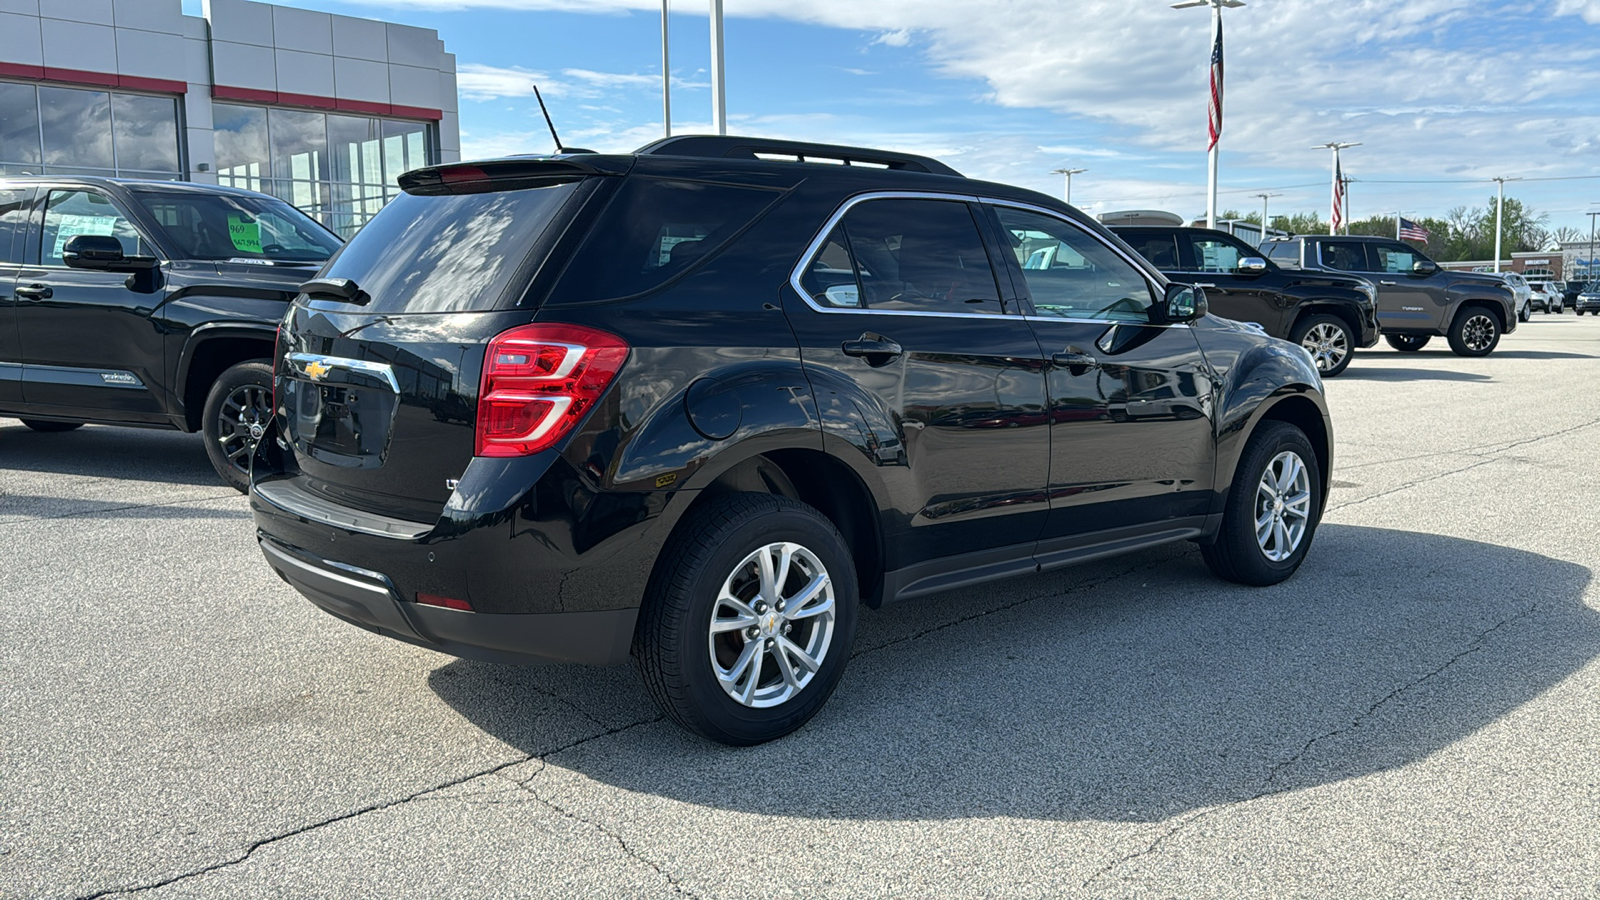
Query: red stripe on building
x=93 y=79
x=311 y=101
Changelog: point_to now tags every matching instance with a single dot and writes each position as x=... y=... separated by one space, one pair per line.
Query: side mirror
x=1183 y=303
x=1424 y=267
x=102 y=252
x=1252 y=265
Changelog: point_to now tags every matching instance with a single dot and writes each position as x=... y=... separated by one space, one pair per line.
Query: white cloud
x=1589 y=9
x=900 y=37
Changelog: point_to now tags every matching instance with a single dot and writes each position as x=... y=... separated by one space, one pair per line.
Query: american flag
x=1338 y=198
x=1411 y=231
x=1215 y=125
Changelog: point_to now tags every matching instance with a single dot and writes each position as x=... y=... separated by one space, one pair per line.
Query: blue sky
x=1448 y=93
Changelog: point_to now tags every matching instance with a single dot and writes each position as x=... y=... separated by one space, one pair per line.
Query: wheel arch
x=1325 y=307
x=209 y=352
x=1493 y=307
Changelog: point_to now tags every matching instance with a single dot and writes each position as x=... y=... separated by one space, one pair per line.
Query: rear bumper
x=368 y=599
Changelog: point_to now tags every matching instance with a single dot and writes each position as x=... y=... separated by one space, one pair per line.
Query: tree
x=1384 y=226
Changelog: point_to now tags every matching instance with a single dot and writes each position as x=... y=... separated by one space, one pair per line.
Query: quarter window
x=905 y=254
x=71 y=213
x=1073 y=275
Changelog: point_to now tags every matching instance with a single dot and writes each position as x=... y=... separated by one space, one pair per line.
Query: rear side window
x=1346 y=256
x=655 y=229
x=913 y=255
x=440 y=253
x=13 y=215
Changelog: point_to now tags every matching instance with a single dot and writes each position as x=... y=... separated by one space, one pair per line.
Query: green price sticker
x=245 y=233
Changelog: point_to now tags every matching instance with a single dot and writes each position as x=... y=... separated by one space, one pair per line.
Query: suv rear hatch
x=380 y=359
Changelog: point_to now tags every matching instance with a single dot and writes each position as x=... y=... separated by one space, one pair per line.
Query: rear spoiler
x=494 y=174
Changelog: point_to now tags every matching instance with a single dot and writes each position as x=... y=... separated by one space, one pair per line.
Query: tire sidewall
x=1272 y=439
x=1458 y=329
x=252 y=372
x=721 y=717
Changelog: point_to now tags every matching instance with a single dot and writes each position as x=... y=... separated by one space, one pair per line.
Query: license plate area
x=340 y=412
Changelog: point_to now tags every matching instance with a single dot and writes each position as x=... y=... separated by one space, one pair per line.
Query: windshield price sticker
x=245 y=233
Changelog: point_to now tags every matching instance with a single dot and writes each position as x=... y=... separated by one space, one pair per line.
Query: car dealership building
x=321 y=110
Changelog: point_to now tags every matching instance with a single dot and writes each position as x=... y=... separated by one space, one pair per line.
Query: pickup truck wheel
x=1407 y=343
x=1327 y=339
x=1272 y=509
x=1475 y=332
x=42 y=425
x=237 y=411
x=748 y=619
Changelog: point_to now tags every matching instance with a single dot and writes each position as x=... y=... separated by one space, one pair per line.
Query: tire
x=1237 y=554
x=238 y=408
x=49 y=427
x=1527 y=313
x=1328 y=340
x=1407 y=343
x=1474 y=332
x=714 y=554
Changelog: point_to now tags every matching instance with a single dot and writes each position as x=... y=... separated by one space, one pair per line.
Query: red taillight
x=445 y=602
x=538 y=382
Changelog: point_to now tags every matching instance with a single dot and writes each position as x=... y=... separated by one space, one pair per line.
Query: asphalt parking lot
x=1414 y=714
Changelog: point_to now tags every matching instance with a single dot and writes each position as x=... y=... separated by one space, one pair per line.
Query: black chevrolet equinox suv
x=698 y=403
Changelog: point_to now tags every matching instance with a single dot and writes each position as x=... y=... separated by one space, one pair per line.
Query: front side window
x=213 y=226
x=1216 y=255
x=69 y=213
x=1396 y=258
x=1346 y=256
x=913 y=255
x=1284 y=253
x=1071 y=274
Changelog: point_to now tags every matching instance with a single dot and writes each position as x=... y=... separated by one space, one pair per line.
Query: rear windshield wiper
x=344 y=290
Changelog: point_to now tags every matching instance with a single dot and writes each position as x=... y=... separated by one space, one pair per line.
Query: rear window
x=655 y=229
x=440 y=253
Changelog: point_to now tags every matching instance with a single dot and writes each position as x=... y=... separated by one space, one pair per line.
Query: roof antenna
x=547 y=121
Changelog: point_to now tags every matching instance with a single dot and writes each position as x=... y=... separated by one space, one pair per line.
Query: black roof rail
x=733 y=147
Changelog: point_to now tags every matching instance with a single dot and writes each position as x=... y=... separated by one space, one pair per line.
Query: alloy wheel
x=1478 y=332
x=1328 y=345
x=1283 y=506
x=772 y=625
x=241 y=422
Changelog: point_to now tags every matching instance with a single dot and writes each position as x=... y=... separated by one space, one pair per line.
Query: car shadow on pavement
x=139 y=454
x=1540 y=354
x=1359 y=372
x=1130 y=690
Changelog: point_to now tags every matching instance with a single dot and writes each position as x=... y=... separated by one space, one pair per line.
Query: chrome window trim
x=383 y=371
x=815 y=247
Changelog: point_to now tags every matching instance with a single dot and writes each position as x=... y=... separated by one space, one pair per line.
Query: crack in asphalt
x=343 y=817
x=526 y=786
x=103 y=510
x=1479 y=451
x=1267 y=788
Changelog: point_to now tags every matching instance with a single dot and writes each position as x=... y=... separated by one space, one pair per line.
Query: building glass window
x=337 y=167
x=49 y=130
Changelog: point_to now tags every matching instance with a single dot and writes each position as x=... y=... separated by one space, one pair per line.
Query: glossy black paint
x=1277 y=299
x=122 y=348
x=967 y=455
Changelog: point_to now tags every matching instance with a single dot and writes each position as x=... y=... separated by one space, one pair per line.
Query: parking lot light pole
x=1216 y=149
x=1499 y=215
x=719 y=98
x=1264 y=220
x=1335 y=146
x=1069 y=173
x=666 y=76
x=1588 y=268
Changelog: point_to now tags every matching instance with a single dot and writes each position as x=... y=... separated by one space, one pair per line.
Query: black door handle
x=876 y=349
x=35 y=291
x=1077 y=362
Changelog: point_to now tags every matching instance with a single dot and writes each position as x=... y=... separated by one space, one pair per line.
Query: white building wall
x=238 y=51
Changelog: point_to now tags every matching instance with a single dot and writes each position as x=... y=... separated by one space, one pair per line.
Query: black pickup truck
x=151 y=304
x=1329 y=315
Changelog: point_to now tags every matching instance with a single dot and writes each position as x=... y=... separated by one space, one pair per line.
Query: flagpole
x=1335 y=208
x=1214 y=147
x=666 y=76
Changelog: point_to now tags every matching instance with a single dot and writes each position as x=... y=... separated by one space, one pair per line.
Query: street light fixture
x=1069 y=173
x=1499 y=214
x=1264 y=220
x=1335 y=146
x=1211 y=164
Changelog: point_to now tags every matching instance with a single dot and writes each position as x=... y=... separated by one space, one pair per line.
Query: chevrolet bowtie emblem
x=316 y=369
